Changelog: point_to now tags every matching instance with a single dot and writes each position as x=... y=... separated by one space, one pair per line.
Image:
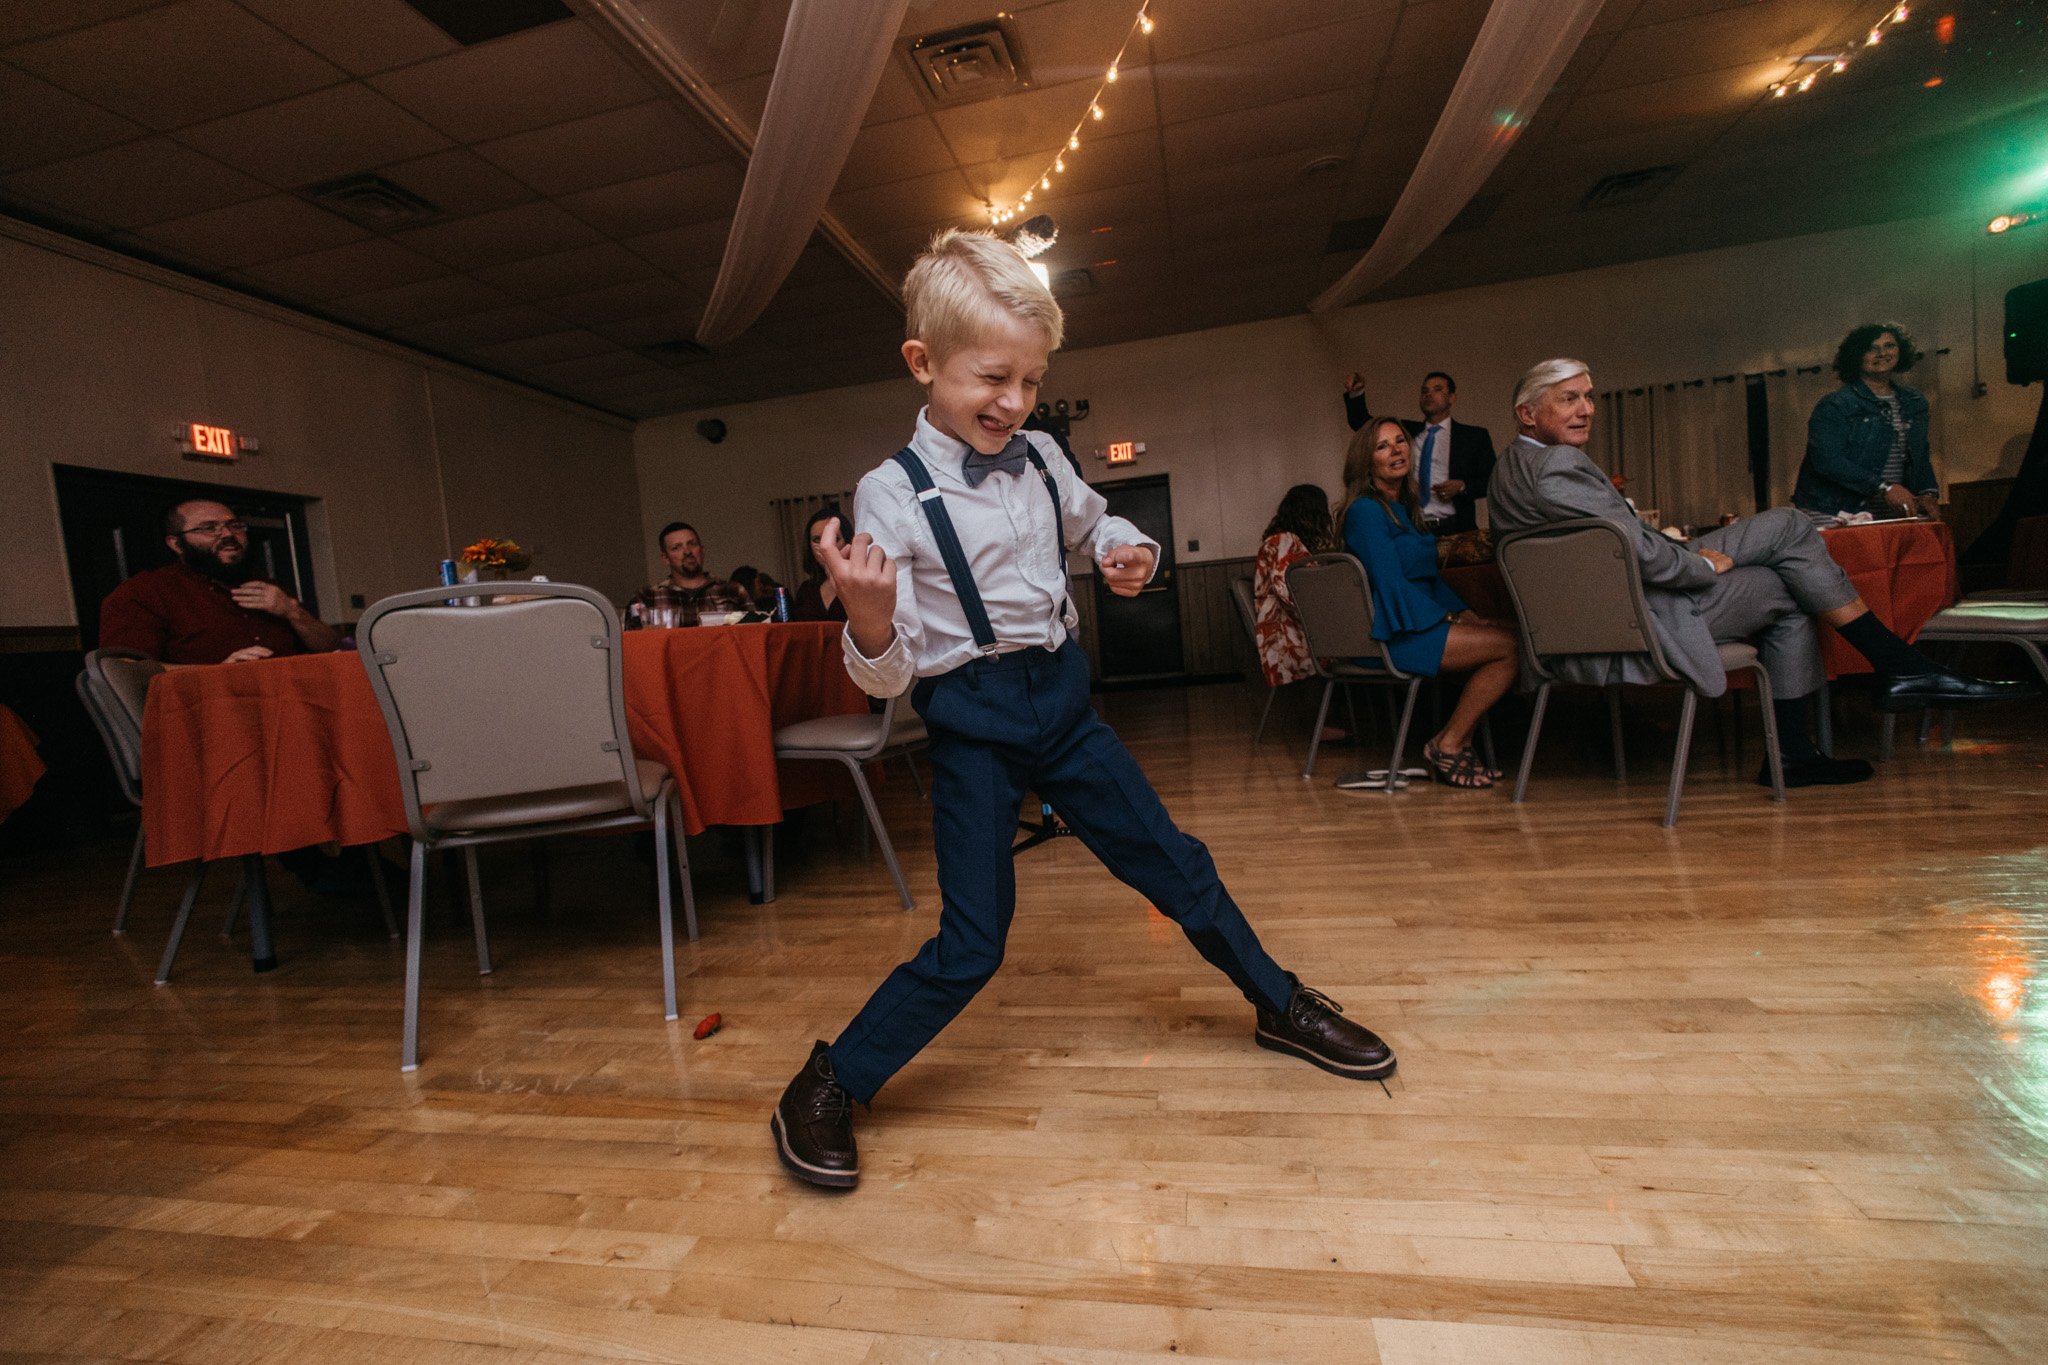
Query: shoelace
x=831 y=1102
x=1307 y=1001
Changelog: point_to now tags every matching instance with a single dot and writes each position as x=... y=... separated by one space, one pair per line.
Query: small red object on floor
x=707 y=1026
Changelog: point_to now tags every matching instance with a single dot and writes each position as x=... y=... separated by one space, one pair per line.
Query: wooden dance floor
x=1772 y=1086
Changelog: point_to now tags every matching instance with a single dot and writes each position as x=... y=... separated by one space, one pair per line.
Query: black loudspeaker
x=2026 y=333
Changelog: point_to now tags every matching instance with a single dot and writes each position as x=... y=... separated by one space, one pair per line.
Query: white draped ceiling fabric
x=1521 y=49
x=833 y=53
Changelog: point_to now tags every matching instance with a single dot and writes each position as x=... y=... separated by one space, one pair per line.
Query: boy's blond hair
x=963 y=282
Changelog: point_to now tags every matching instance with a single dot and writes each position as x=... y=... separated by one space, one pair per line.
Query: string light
x=1835 y=63
x=1003 y=213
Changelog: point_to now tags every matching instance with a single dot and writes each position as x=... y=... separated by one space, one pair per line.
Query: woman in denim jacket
x=1866 y=443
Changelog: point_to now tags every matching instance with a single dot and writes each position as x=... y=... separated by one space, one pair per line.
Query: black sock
x=1888 y=654
x=1794 y=742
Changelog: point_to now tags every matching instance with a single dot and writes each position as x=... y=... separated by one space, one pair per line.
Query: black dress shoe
x=1818 y=771
x=1912 y=691
x=1313 y=1028
x=813 y=1126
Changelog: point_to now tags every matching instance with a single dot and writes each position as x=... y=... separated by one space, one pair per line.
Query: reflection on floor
x=1772 y=1085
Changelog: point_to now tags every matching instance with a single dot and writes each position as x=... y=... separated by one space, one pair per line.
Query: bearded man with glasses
x=208 y=607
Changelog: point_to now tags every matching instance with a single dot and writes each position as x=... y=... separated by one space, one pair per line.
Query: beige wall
x=102 y=360
x=1238 y=414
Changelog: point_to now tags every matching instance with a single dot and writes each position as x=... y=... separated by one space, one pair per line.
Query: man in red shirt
x=207 y=608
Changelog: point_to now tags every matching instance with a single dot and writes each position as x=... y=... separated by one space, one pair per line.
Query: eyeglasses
x=214 y=528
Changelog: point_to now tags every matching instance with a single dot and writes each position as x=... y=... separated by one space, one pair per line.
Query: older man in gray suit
x=1763 y=579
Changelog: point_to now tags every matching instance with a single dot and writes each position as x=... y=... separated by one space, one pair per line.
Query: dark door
x=114 y=527
x=1139 y=637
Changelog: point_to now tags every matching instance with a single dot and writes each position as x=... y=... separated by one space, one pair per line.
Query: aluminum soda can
x=447 y=573
x=781 y=604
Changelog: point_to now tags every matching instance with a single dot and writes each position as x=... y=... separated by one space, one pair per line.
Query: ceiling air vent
x=373 y=202
x=470 y=22
x=676 y=352
x=1629 y=187
x=962 y=65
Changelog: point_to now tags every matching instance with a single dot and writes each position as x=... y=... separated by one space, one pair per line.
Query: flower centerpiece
x=495 y=558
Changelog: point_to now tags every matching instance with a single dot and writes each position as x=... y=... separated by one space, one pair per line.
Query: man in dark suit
x=1453 y=460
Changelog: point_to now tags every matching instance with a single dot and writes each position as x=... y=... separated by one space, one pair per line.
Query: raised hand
x=1125 y=569
x=866 y=581
x=267 y=597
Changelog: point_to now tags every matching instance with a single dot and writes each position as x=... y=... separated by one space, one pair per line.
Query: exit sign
x=1122 y=452
x=203 y=442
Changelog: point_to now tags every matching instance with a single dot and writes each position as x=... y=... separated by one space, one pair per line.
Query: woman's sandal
x=1462 y=769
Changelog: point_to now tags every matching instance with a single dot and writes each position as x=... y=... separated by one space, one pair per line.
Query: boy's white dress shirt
x=1006 y=531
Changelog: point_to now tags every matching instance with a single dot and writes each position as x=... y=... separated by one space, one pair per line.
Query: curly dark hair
x=1849 y=355
x=1304 y=510
x=813 y=570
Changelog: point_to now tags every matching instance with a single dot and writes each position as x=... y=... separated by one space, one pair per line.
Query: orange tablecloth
x=21 y=767
x=1905 y=570
x=282 y=753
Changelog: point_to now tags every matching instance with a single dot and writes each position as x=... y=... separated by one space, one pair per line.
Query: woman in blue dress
x=1426 y=628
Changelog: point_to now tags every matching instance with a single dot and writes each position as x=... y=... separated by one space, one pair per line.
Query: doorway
x=1139 y=637
x=114 y=528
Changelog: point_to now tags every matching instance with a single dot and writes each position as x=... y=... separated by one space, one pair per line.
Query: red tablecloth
x=281 y=753
x=21 y=767
x=1905 y=570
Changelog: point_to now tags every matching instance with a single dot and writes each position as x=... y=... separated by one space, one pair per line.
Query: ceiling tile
x=1040 y=120
x=609 y=364
x=1330 y=116
x=531 y=79
x=44 y=123
x=660 y=201
x=896 y=95
x=1075 y=42
x=1747 y=35
x=621 y=144
x=333 y=132
x=637 y=329
x=513 y=234
x=147 y=181
x=901 y=149
x=1250 y=182
x=178 y=64
x=722 y=42
x=636 y=299
x=685 y=248
x=1188 y=29
x=18 y=23
x=568 y=272
x=267 y=229
x=482 y=329
x=428 y=301
x=458 y=182
x=1687 y=98
x=356 y=268
x=539 y=350
x=940 y=198
x=361 y=36
x=1284 y=66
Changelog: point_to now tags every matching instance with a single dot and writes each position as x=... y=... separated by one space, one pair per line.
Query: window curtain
x=1621 y=442
x=1684 y=449
x=1789 y=397
x=792 y=518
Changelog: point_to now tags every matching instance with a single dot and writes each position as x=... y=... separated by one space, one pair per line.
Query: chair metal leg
x=664 y=912
x=1772 y=754
x=767 y=864
x=1680 y=755
x=1885 y=731
x=1529 y=744
x=128 y=885
x=1401 y=735
x=1926 y=722
x=1824 y=730
x=227 y=928
x=1265 y=714
x=1486 y=743
x=1351 y=710
x=192 y=885
x=1315 y=734
x=867 y=800
x=916 y=777
x=383 y=892
x=476 y=912
x=682 y=849
x=1614 y=734
x=415 y=915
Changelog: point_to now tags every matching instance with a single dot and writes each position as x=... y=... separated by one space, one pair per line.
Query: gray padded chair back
x=501 y=700
x=1577 y=589
x=1242 y=593
x=1334 y=602
x=115 y=688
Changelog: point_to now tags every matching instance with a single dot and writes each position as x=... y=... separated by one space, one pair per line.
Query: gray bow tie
x=1010 y=460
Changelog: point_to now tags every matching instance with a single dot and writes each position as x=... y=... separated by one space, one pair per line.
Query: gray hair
x=1541 y=378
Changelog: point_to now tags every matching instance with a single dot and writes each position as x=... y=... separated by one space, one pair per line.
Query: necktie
x=1010 y=460
x=1428 y=444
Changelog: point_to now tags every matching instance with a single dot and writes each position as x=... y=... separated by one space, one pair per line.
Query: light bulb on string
x=1095 y=112
x=1074 y=142
x=1059 y=163
x=1111 y=78
x=1145 y=24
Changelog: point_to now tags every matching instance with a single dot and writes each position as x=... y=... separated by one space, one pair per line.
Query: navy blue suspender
x=956 y=558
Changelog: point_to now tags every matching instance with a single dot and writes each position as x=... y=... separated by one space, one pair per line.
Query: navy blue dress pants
x=1001 y=725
